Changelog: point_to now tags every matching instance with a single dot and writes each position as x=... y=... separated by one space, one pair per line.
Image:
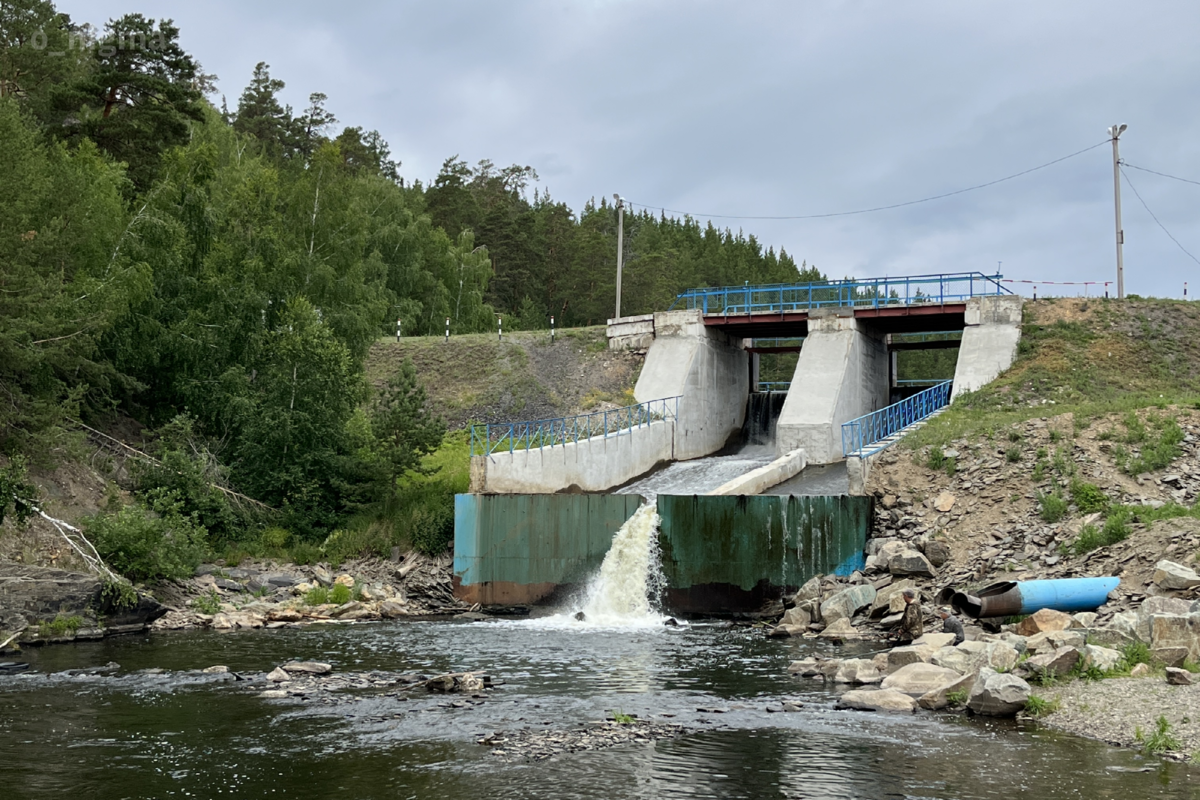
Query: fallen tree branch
x=8 y=641
x=90 y=557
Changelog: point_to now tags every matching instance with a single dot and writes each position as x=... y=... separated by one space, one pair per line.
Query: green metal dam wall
x=719 y=554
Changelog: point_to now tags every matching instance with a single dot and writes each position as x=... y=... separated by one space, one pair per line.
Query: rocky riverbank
x=1054 y=497
x=44 y=606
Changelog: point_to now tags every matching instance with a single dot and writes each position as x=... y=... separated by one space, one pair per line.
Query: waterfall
x=627 y=589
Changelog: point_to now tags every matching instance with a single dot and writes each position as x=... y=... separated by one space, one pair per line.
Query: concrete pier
x=710 y=373
x=842 y=373
x=989 y=342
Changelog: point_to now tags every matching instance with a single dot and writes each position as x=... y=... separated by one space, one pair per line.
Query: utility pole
x=620 y=247
x=1115 y=132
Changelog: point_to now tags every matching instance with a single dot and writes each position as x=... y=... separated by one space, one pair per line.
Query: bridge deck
x=888 y=319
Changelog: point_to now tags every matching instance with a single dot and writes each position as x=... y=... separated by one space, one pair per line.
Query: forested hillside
x=217 y=271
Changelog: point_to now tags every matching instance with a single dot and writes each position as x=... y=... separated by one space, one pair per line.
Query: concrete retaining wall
x=989 y=342
x=590 y=465
x=759 y=480
x=842 y=373
x=719 y=554
x=710 y=373
x=631 y=333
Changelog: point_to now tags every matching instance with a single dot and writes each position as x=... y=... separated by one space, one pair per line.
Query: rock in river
x=998 y=694
x=877 y=700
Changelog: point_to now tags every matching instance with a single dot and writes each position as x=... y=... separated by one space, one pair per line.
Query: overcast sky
x=775 y=109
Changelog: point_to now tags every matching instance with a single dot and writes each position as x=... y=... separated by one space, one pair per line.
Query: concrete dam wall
x=720 y=554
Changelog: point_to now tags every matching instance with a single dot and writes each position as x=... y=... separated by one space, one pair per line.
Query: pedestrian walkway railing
x=781 y=298
x=509 y=436
x=871 y=433
x=774 y=386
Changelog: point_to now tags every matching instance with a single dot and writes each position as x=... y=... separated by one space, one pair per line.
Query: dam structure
x=707 y=441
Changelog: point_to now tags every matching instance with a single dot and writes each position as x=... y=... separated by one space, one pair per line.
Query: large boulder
x=1171 y=634
x=935 y=640
x=877 y=700
x=840 y=629
x=846 y=603
x=1174 y=577
x=1102 y=658
x=798 y=617
x=914 y=653
x=1049 y=642
x=1044 y=621
x=937 y=552
x=1180 y=677
x=1131 y=625
x=917 y=679
x=806 y=667
x=858 y=671
x=970 y=656
x=998 y=694
x=910 y=562
x=809 y=591
x=890 y=599
x=1165 y=605
x=939 y=698
x=1057 y=663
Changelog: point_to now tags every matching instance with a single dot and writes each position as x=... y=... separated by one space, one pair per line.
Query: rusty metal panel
x=517 y=549
x=734 y=553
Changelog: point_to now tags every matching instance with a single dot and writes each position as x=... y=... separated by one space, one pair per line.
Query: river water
x=158 y=728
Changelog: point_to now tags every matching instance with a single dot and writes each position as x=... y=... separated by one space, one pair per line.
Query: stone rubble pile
x=239 y=597
x=988 y=674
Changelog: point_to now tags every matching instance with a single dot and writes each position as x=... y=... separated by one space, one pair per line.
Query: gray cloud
x=775 y=108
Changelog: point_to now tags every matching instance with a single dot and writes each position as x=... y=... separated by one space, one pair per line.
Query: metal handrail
x=779 y=298
x=919 y=381
x=774 y=386
x=859 y=435
x=492 y=437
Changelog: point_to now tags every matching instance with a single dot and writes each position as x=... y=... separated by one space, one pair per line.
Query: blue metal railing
x=868 y=293
x=541 y=433
x=774 y=386
x=861 y=437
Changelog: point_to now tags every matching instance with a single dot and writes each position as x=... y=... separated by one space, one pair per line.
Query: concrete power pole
x=620 y=247
x=1115 y=132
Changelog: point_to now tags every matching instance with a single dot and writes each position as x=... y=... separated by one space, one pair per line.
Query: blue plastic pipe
x=1065 y=594
x=1025 y=597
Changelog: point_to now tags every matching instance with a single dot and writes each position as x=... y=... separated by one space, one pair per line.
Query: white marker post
x=397 y=330
x=447 y=330
x=500 y=329
x=552 y=318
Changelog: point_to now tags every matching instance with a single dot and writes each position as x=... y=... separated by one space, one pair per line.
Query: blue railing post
x=887 y=421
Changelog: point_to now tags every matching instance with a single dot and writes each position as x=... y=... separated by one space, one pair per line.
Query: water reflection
x=180 y=733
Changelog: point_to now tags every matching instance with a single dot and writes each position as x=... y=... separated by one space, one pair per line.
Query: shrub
x=154 y=543
x=304 y=553
x=1037 y=706
x=1088 y=497
x=957 y=698
x=317 y=596
x=1012 y=454
x=207 y=603
x=1159 y=452
x=1163 y=740
x=339 y=594
x=274 y=537
x=1014 y=436
x=1052 y=507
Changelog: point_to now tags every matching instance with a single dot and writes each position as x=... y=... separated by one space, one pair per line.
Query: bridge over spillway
x=701 y=369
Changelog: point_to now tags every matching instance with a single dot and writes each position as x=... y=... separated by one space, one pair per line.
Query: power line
x=1162 y=174
x=883 y=208
x=1151 y=213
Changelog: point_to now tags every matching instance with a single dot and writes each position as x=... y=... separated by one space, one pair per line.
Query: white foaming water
x=625 y=593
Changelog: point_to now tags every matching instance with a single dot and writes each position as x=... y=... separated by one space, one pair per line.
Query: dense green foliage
x=219 y=275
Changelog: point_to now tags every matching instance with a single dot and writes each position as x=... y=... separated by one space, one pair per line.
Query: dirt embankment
x=477 y=378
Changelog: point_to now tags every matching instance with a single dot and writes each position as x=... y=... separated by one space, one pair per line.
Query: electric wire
x=1161 y=174
x=1153 y=217
x=879 y=208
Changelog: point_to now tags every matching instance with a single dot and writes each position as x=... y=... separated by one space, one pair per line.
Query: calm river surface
x=174 y=732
